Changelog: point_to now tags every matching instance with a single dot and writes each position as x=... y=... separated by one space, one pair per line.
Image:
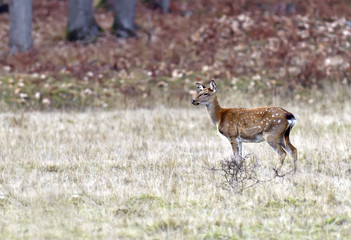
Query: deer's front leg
x=236 y=146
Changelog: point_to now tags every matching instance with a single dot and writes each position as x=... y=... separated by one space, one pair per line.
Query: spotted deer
x=238 y=125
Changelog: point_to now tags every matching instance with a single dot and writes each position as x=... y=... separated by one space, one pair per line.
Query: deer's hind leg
x=291 y=150
x=278 y=147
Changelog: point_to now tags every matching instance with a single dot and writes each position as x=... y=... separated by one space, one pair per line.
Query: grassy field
x=145 y=174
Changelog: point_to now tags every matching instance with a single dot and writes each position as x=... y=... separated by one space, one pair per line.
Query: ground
x=145 y=174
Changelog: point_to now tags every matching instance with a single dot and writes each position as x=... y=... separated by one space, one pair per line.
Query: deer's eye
x=205 y=94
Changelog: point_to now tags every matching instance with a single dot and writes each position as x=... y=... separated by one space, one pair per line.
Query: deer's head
x=206 y=95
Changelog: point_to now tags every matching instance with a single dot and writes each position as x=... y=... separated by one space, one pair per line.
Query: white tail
x=238 y=125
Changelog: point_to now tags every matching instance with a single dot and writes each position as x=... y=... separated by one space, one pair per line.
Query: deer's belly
x=254 y=139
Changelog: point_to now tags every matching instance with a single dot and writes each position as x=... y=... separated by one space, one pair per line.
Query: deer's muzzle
x=195 y=103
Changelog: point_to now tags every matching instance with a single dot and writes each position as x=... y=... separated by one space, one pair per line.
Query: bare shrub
x=244 y=174
x=239 y=175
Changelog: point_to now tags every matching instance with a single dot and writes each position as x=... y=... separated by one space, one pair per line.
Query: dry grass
x=144 y=174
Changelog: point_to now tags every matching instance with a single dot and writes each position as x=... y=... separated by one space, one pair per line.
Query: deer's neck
x=214 y=110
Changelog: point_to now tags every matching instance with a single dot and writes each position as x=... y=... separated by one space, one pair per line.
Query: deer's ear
x=213 y=86
x=200 y=86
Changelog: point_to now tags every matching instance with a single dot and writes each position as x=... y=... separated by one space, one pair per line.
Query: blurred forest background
x=139 y=53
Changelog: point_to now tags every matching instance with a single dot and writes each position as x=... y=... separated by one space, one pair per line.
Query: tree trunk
x=124 y=14
x=164 y=5
x=21 y=39
x=81 y=23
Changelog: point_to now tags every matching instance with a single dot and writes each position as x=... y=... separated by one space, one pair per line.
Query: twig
x=242 y=175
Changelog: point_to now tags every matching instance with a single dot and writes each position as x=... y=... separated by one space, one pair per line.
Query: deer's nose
x=194 y=102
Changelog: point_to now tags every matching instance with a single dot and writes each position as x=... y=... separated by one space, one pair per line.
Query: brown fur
x=270 y=124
